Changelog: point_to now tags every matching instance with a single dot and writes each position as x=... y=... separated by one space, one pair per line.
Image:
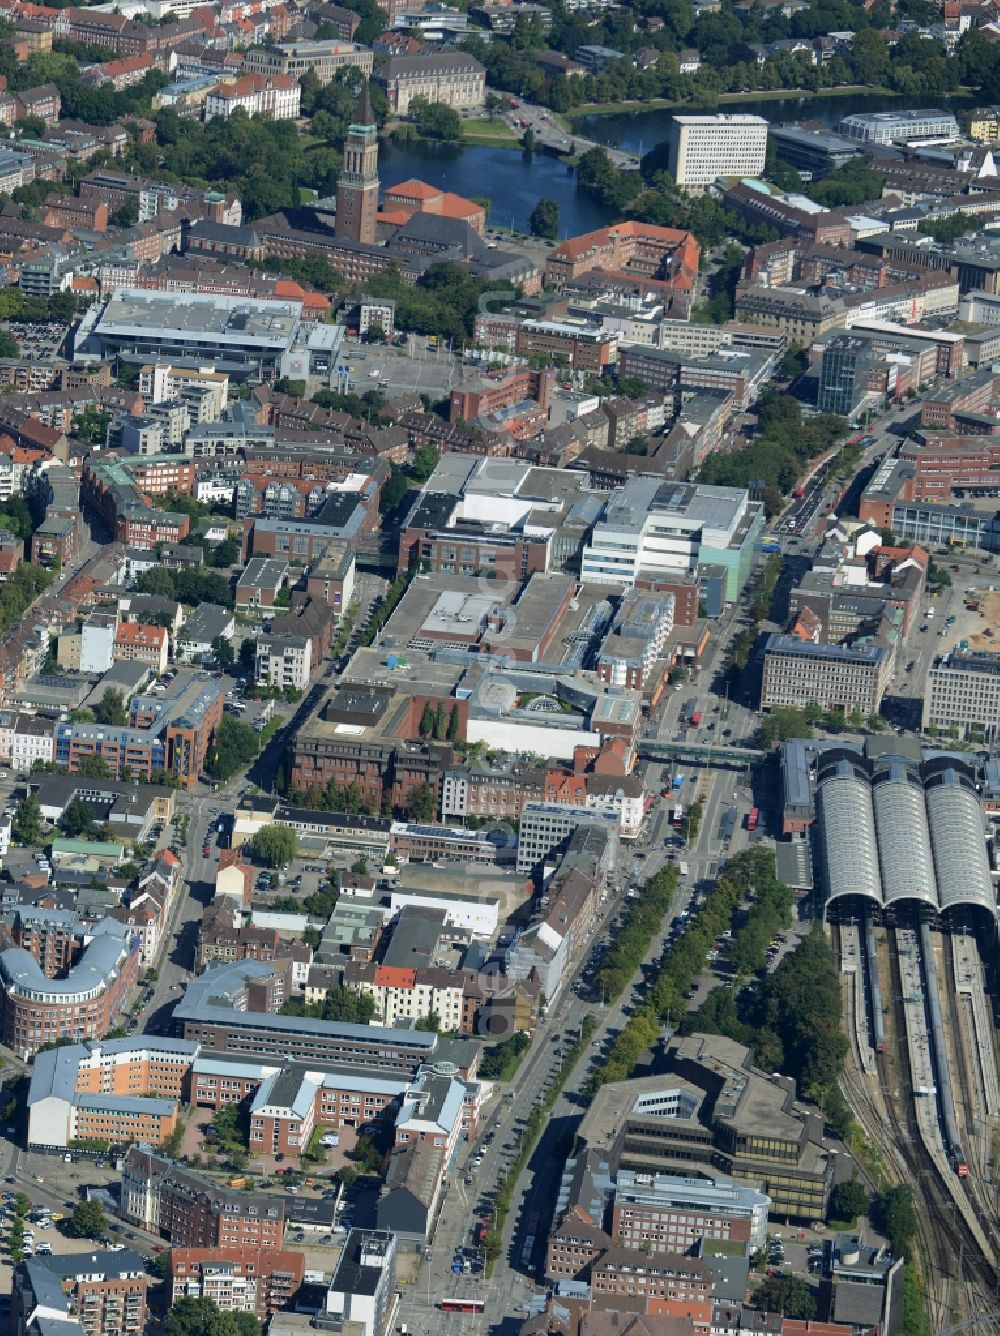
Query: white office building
x=899 y=127
x=962 y=696
x=97 y=641
x=979 y=307
x=671 y=529
x=703 y=148
x=363 y=1288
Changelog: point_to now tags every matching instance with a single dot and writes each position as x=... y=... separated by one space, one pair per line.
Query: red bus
x=678 y=818
x=695 y=718
x=462 y=1305
x=753 y=816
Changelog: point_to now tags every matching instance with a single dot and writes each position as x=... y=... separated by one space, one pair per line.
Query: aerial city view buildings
x=499 y=668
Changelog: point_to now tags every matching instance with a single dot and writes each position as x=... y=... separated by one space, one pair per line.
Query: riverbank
x=770 y=95
x=489 y=134
x=566 y=119
x=475 y=134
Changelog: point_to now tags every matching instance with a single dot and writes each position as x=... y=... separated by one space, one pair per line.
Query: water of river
x=514 y=181
x=640 y=131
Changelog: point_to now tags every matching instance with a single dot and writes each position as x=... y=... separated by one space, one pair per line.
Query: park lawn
x=491 y=132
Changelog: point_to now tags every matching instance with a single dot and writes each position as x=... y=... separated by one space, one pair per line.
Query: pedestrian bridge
x=721 y=758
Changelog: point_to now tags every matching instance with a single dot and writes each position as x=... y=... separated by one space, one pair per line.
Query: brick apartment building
x=136 y=643
x=90 y=998
x=649 y=1276
x=171 y=731
x=237 y=1280
x=502 y=389
x=496 y=793
x=100 y=1293
x=193 y=1211
x=54 y=937
x=631 y=247
x=501 y=556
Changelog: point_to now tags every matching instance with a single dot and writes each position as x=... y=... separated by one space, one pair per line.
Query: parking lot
x=304 y=877
x=414 y=367
x=46 y=1233
x=39 y=341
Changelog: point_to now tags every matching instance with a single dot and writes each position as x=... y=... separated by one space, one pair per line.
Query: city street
x=513 y=1279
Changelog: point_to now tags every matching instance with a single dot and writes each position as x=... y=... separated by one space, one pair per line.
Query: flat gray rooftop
x=237 y=320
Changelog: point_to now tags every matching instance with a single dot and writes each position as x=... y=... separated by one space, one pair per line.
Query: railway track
x=956 y=1278
x=960 y=1273
x=972 y=1096
x=871 y=1104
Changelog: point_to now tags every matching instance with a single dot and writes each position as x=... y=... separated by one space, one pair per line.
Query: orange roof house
x=395 y=976
x=315 y=305
x=808 y=627
x=410 y=197
x=666 y=256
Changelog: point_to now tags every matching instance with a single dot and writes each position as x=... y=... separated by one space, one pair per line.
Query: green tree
x=368 y=1157
x=853 y=183
x=78 y=820
x=435 y=120
x=274 y=846
x=427 y=721
x=16 y=516
x=26 y=827
x=89 y=1220
x=94 y=767
x=126 y=215
x=783 y=723
x=544 y=219
x=492 y=1245
x=235 y=746
x=225 y=553
x=346 y=1004
x=893 y=1214
x=228 y=1125
x=201 y=1317
x=110 y=709
x=848 y=1200
x=453 y=724
x=157 y=581
x=431 y=1023
x=786 y=1295
x=395 y=490
x=223 y=652
x=424 y=462
x=422 y=803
